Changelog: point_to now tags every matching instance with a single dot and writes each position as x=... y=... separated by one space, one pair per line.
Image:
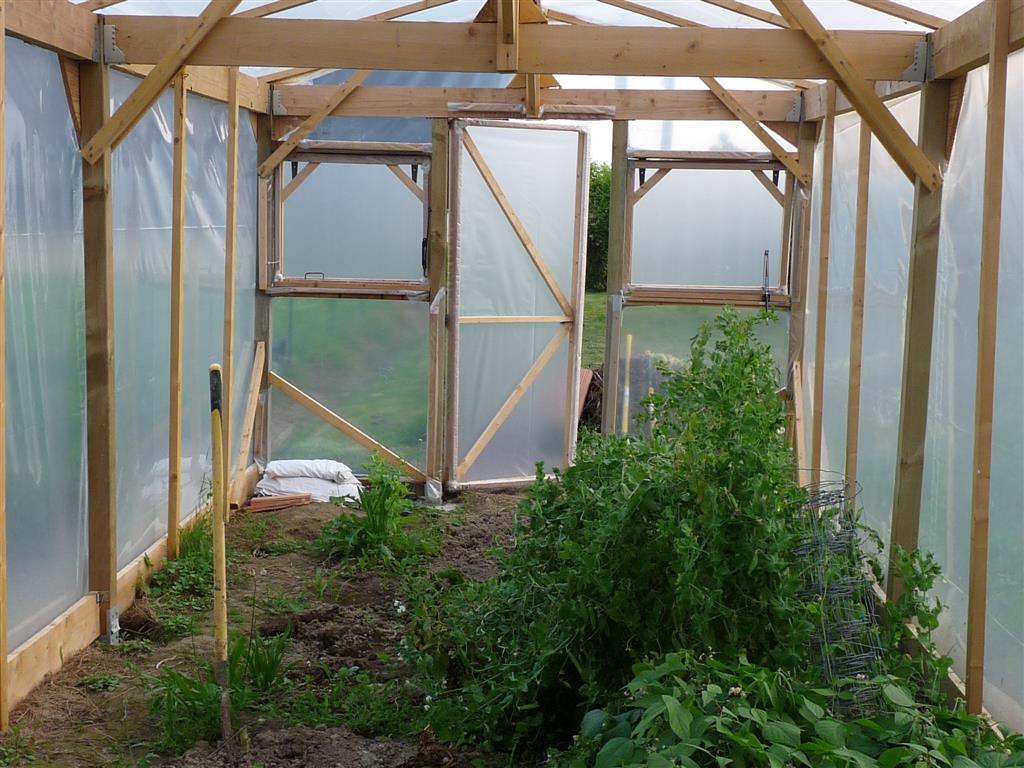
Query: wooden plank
x=506 y=57
x=101 y=414
x=917 y=334
x=437 y=271
x=824 y=243
x=510 y=403
x=248 y=418
x=212 y=82
x=861 y=93
x=789 y=203
x=773 y=190
x=297 y=179
x=992 y=208
x=322 y=411
x=617 y=210
x=814 y=99
x=288 y=74
x=956 y=99
x=4 y=672
x=704 y=296
x=339 y=94
x=530 y=12
x=497 y=319
x=230 y=251
x=533 y=96
x=69 y=76
x=649 y=184
x=640 y=104
x=751 y=12
x=543 y=48
x=787 y=158
x=904 y=12
x=406 y=10
x=651 y=13
x=177 y=326
x=352 y=284
x=963 y=44
x=61 y=26
x=513 y=218
x=270 y=8
x=270 y=214
x=411 y=185
x=860 y=255
x=799 y=260
x=135 y=106
x=579 y=255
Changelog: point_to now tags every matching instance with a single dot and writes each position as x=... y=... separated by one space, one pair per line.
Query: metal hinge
x=105 y=47
x=921 y=69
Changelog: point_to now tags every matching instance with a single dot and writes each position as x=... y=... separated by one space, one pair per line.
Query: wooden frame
x=621 y=194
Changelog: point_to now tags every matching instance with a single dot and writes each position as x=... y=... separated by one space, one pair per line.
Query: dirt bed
x=94 y=711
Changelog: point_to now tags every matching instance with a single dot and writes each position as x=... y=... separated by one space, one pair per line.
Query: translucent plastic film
x=46 y=465
x=946 y=503
x=811 y=316
x=142 y=265
x=706 y=227
x=365 y=360
x=661 y=335
x=536 y=171
x=356 y=221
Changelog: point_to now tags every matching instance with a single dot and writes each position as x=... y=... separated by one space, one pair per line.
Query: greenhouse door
x=519 y=212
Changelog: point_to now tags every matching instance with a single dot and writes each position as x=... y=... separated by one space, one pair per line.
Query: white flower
x=860 y=676
x=735 y=691
x=399 y=607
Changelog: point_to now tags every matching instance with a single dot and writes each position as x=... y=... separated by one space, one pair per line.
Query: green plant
x=15 y=749
x=688 y=711
x=597 y=226
x=187 y=582
x=100 y=681
x=681 y=538
x=380 y=534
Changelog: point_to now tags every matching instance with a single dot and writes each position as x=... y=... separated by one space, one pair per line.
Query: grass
x=595 y=308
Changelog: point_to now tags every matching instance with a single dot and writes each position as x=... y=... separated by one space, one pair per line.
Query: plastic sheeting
x=354 y=221
x=536 y=168
x=663 y=334
x=706 y=227
x=46 y=464
x=367 y=361
x=142 y=169
x=946 y=503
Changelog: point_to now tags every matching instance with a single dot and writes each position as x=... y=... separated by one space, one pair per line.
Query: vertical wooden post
x=437 y=275
x=617 y=228
x=789 y=202
x=917 y=332
x=101 y=415
x=991 y=219
x=267 y=220
x=860 y=253
x=801 y=244
x=823 y=262
x=579 y=255
x=230 y=248
x=177 y=317
x=4 y=709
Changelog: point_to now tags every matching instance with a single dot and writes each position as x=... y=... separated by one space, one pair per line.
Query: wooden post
x=177 y=318
x=437 y=275
x=617 y=228
x=230 y=248
x=579 y=255
x=801 y=241
x=785 y=250
x=917 y=333
x=4 y=701
x=823 y=262
x=985 y=384
x=267 y=222
x=101 y=421
x=860 y=253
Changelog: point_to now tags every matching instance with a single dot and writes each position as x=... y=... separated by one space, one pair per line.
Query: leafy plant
x=15 y=749
x=681 y=538
x=100 y=681
x=187 y=582
x=597 y=226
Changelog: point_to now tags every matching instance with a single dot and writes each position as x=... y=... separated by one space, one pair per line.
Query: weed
x=133 y=647
x=15 y=749
x=188 y=580
x=281 y=546
x=178 y=624
x=264 y=663
x=283 y=604
x=100 y=681
x=322 y=583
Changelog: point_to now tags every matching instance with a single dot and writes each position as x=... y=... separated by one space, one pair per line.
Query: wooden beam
x=530 y=12
x=411 y=185
x=248 y=419
x=814 y=99
x=212 y=82
x=4 y=592
x=406 y=10
x=860 y=256
x=506 y=319
x=618 y=209
x=788 y=205
x=98 y=5
x=63 y=27
x=651 y=13
x=69 y=76
x=991 y=219
x=270 y=8
x=507 y=56
x=437 y=275
x=956 y=100
x=573 y=376
x=963 y=43
x=904 y=12
x=297 y=179
x=565 y=18
x=917 y=335
x=339 y=94
x=517 y=225
x=824 y=242
x=326 y=414
x=861 y=93
x=543 y=48
x=288 y=74
x=230 y=251
x=787 y=158
x=752 y=12
x=773 y=190
x=101 y=413
x=510 y=403
x=533 y=96
x=135 y=106
x=798 y=288
x=177 y=325
x=649 y=184
x=641 y=104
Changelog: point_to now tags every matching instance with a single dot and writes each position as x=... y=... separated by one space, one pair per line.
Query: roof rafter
x=908 y=156
x=751 y=12
x=275 y=7
x=904 y=12
x=506 y=58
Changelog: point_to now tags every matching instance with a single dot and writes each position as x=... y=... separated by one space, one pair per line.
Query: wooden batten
x=4 y=670
x=579 y=254
x=437 y=273
x=230 y=248
x=617 y=231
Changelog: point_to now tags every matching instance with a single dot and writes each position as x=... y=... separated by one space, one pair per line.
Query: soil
x=94 y=711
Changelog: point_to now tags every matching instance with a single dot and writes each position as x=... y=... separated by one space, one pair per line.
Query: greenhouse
x=377 y=220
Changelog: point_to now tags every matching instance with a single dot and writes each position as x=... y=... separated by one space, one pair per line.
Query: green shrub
x=645 y=545
x=188 y=581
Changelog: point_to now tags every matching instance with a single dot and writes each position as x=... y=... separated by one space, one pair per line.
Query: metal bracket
x=796 y=112
x=275 y=102
x=113 y=636
x=105 y=48
x=921 y=69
